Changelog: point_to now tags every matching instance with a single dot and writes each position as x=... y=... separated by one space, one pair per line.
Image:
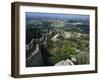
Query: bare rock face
x=73 y=58
x=65 y=62
x=60 y=63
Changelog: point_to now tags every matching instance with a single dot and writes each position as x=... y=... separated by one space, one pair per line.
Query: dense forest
x=59 y=38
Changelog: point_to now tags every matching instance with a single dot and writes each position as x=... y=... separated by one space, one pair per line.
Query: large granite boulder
x=65 y=62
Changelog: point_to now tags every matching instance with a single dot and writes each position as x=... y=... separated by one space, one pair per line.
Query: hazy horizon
x=56 y=15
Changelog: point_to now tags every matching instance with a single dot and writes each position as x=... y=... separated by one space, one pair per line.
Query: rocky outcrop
x=72 y=61
x=64 y=62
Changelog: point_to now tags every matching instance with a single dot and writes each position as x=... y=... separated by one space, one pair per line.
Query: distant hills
x=67 y=22
x=56 y=16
